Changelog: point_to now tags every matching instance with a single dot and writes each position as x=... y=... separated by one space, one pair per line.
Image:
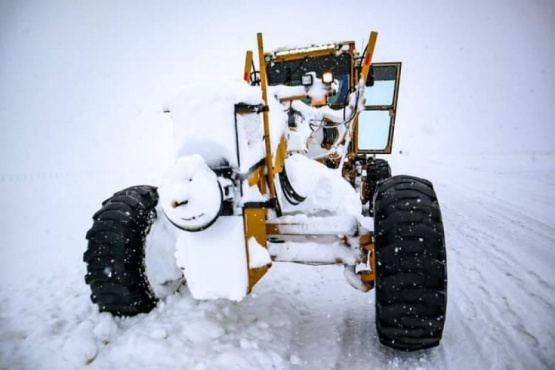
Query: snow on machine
x=281 y=167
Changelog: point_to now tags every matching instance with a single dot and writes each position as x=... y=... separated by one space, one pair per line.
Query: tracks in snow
x=500 y=259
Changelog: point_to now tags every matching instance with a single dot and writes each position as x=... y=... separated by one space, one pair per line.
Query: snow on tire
x=115 y=255
x=411 y=281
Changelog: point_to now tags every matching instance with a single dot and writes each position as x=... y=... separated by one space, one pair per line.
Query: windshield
x=290 y=72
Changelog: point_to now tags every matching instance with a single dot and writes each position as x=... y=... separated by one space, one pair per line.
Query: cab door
x=376 y=123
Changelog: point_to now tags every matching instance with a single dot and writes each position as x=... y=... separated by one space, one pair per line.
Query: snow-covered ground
x=500 y=220
x=81 y=91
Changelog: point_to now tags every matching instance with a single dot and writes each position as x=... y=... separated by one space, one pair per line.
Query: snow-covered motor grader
x=281 y=167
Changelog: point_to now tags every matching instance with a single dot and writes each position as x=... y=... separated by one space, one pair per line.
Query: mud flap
x=214 y=261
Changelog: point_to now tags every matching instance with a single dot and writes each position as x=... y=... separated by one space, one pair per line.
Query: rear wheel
x=411 y=272
x=115 y=255
x=377 y=170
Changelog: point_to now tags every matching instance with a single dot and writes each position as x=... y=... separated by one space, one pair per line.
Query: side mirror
x=377 y=122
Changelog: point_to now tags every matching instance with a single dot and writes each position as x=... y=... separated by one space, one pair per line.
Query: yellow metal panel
x=273 y=229
x=255 y=224
x=266 y=117
x=365 y=239
x=262 y=182
x=366 y=243
x=254 y=177
x=248 y=63
x=292 y=98
x=255 y=275
x=368 y=54
x=281 y=152
x=301 y=55
x=312 y=51
x=254 y=220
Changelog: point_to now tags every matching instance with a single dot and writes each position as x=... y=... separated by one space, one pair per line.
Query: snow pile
x=324 y=188
x=314 y=252
x=317 y=225
x=80 y=346
x=209 y=133
x=190 y=194
x=258 y=255
x=161 y=266
x=215 y=261
x=204 y=123
x=303 y=317
x=60 y=331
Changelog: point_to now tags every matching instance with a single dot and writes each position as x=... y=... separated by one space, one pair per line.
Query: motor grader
x=281 y=167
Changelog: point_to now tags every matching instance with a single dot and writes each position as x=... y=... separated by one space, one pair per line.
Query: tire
x=115 y=255
x=411 y=271
x=377 y=170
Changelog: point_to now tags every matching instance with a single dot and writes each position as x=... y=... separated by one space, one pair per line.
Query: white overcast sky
x=82 y=83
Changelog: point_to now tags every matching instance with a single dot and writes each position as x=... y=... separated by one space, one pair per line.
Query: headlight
x=327 y=77
x=307 y=80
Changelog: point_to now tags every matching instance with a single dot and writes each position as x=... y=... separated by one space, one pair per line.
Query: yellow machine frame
x=255 y=217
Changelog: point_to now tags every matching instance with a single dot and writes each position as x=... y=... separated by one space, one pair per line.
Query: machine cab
x=330 y=63
x=373 y=131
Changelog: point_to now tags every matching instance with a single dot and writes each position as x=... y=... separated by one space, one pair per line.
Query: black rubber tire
x=377 y=170
x=116 y=252
x=411 y=271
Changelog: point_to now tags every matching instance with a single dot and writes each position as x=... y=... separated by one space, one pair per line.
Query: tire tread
x=411 y=281
x=115 y=252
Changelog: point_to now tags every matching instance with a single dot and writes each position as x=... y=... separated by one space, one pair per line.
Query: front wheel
x=411 y=271
x=115 y=255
